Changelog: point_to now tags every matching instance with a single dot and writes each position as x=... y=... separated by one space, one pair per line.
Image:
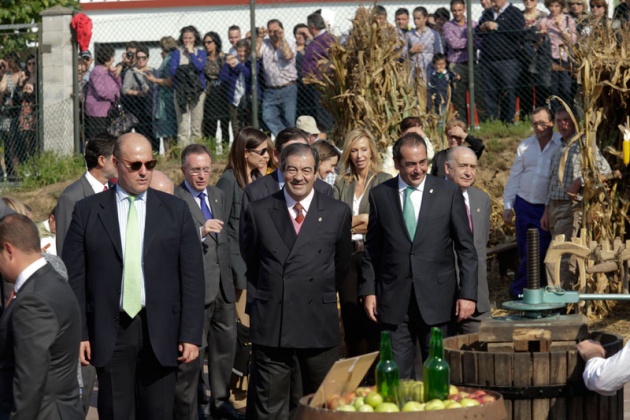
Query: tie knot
x=298 y=207
x=132 y=198
x=201 y=195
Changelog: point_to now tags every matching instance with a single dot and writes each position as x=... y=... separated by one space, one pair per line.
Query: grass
x=49 y=168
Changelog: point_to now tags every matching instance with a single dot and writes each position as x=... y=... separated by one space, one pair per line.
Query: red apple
x=455 y=397
x=333 y=402
x=487 y=398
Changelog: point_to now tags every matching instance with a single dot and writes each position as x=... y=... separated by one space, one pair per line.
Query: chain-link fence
x=187 y=74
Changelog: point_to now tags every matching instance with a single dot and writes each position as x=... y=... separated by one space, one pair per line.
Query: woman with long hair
x=361 y=172
x=216 y=106
x=165 y=121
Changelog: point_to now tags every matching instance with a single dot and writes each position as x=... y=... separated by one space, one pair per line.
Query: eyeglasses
x=208 y=42
x=258 y=152
x=197 y=171
x=135 y=166
x=576 y=4
x=141 y=57
x=541 y=123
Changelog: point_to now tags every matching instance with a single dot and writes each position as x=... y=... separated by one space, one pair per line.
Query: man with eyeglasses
x=134 y=263
x=525 y=193
x=207 y=206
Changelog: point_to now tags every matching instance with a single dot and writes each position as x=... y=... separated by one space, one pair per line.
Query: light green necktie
x=132 y=269
x=409 y=213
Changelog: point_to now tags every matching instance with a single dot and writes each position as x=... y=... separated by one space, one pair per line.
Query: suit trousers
x=133 y=384
x=219 y=332
x=404 y=337
x=281 y=376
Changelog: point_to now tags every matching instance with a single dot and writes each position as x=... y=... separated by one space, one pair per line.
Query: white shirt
x=529 y=176
x=96 y=185
x=306 y=203
x=195 y=195
x=122 y=203
x=501 y=10
x=27 y=273
x=606 y=376
x=416 y=195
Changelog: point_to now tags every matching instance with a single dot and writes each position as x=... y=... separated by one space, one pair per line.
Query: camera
x=130 y=55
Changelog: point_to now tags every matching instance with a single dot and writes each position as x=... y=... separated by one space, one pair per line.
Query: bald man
x=134 y=262
x=161 y=182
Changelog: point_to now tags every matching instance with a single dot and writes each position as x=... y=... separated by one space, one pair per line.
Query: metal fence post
x=254 y=36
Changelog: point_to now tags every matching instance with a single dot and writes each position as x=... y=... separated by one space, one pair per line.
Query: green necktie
x=409 y=214
x=132 y=269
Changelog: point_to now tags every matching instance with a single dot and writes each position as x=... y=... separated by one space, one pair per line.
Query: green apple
x=434 y=405
x=468 y=402
x=387 y=407
x=359 y=401
x=362 y=391
x=453 y=390
x=412 y=406
x=365 y=408
x=418 y=391
x=346 y=407
x=373 y=399
x=452 y=404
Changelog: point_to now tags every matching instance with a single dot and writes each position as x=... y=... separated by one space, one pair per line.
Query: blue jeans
x=500 y=78
x=278 y=108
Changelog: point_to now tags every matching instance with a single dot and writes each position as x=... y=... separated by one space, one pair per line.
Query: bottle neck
x=386 y=346
x=438 y=344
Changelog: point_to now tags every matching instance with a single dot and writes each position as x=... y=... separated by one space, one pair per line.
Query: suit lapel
x=152 y=219
x=394 y=201
x=195 y=210
x=425 y=207
x=109 y=217
x=282 y=221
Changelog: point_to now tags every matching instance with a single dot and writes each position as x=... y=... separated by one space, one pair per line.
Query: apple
x=373 y=399
x=434 y=405
x=452 y=404
x=348 y=397
x=455 y=397
x=464 y=394
x=487 y=398
x=363 y=391
x=478 y=393
x=359 y=401
x=346 y=407
x=386 y=407
x=333 y=402
x=453 y=390
x=365 y=408
x=412 y=406
x=468 y=402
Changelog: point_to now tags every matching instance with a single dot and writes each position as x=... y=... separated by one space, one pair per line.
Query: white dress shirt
x=529 y=176
x=306 y=203
x=122 y=203
x=27 y=273
x=606 y=376
x=96 y=185
x=195 y=195
x=416 y=195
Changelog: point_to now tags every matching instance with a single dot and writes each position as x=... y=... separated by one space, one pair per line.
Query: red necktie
x=300 y=215
x=469 y=217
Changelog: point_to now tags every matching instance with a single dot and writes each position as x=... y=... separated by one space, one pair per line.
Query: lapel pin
x=478 y=210
x=319 y=220
x=216 y=201
x=431 y=191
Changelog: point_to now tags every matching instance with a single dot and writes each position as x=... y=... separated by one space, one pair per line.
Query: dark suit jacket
x=73 y=193
x=291 y=279
x=40 y=332
x=173 y=273
x=269 y=184
x=480 y=210
x=216 y=258
x=393 y=261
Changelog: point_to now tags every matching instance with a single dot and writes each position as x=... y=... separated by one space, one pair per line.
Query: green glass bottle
x=387 y=378
x=436 y=371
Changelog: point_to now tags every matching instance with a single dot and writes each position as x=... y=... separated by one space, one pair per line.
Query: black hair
x=101 y=144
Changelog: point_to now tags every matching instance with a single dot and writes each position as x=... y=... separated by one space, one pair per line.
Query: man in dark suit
x=274 y=182
x=461 y=168
x=134 y=262
x=295 y=243
x=415 y=222
x=207 y=205
x=40 y=331
x=100 y=169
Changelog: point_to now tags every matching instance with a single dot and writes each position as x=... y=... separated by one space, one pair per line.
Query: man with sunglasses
x=134 y=263
x=207 y=206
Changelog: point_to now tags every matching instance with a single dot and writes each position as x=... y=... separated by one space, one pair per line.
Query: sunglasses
x=141 y=57
x=135 y=166
x=597 y=6
x=258 y=152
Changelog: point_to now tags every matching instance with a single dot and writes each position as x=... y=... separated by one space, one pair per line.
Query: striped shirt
x=278 y=71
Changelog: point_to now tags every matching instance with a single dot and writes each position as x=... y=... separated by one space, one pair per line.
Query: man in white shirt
x=526 y=191
x=234 y=35
x=604 y=376
x=100 y=169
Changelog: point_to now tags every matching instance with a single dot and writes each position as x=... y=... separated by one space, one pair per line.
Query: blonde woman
x=361 y=171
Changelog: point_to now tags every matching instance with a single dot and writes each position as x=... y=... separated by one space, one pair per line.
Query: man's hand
x=189 y=352
x=464 y=308
x=85 y=353
x=212 y=226
x=574 y=189
x=360 y=223
x=369 y=303
x=418 y=131
x=589 y=349
x=544 y=220
x=508 y=217
x=417 y=48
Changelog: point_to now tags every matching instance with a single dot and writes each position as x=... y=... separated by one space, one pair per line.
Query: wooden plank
x=522 y=377
x=486 y=369
x=531 y=339
x=503 y=374
x=575 y=367
x=558 y=376
x=540 y=376
x=563 y=328
x=501 y=347
x=470 y=365
x=454 y=358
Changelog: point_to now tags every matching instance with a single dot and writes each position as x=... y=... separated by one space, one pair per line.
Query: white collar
x=96 y=185
x=306 y=202
x=402 y=185
x=121 y=194
x=27 y=273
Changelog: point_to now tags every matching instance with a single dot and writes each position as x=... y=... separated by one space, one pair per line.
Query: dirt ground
x=492 y=175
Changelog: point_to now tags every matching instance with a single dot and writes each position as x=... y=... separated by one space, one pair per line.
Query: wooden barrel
x=488 y=411
x=534 y=385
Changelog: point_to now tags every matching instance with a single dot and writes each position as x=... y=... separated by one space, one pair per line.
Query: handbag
x=120 y=121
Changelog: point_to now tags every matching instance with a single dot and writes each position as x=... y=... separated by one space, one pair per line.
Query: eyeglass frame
x=135 y=166
x=261 y=152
